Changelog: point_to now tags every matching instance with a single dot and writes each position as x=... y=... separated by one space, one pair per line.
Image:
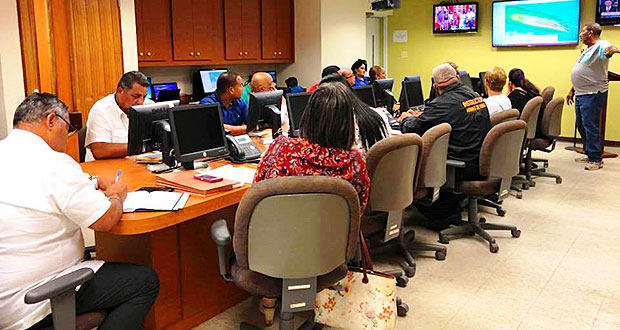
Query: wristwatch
x=95 y=180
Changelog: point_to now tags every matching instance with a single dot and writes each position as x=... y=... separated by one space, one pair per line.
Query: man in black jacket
x=466 y=112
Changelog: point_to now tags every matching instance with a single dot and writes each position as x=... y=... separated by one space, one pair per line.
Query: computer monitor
x=296 y=104
x=483 y=87
x=466 y=80
x=204 y=82
x=366 y=94
x=149 y=90
x=197 y=132
x=383 y=92
x=265 y=107
x=411 y=94
x=413 y=78
x=162 y=87
x=145 y=123
x=273 y=75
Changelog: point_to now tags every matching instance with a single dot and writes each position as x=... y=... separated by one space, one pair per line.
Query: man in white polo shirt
x=107 y=127
x=45 y=199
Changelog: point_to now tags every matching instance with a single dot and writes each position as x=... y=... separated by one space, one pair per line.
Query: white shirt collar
x=121 y=113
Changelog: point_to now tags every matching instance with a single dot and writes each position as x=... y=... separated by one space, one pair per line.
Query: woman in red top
x=327 y=134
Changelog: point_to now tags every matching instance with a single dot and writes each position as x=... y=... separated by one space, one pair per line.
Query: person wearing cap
x=467 y=113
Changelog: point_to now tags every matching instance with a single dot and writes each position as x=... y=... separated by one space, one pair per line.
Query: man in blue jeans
x=590 y=85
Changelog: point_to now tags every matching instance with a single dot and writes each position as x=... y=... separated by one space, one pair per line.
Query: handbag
x=364 y=299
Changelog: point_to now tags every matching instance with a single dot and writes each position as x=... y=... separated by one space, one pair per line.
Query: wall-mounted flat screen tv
x=453 y=18
x=527 y=23
x=607 y=12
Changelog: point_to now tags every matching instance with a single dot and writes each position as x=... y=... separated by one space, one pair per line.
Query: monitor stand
x=188 y=165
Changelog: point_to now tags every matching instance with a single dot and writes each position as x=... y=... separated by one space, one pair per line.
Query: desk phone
x=242 y=148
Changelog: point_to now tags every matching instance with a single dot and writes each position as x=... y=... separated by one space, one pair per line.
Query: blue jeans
x=588 y=110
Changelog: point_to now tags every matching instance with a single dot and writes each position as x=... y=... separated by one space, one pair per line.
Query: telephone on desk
x=242 y=149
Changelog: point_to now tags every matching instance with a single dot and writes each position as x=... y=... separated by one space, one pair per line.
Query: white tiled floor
x=562 y=273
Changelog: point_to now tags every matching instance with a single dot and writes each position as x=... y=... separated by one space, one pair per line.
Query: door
x=276 y=29
x=208 y=29
x=242 y=26
x=155 y=27
x=374 y=41
x=183 y=30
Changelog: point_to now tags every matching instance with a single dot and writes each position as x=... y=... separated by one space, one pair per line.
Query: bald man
x=348 y=75
x=263 y=82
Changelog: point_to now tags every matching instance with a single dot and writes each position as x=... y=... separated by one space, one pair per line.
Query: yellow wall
x=474 y=53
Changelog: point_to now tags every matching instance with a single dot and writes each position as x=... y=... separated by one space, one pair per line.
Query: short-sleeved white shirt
x=497 y=103
x=44 y=200
x=106 y=123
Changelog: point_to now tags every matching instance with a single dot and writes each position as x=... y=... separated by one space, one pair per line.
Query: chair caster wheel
x=440 y=255
x=483 y=220
x=525 y=186
x=533 y=184
x=519 y=195
x=558 y=180
x=546 y=165
x=516 y=233
x=443 y=239
x=401 y=281
x=501 y=212
x=410 y=271
x=493 y=247
x=402 y=309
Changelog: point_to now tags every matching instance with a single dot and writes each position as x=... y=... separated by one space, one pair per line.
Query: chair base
x=542 y=172
x=497 y=206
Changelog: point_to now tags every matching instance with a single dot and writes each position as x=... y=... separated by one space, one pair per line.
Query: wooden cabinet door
x=285 y=29
x=139 y=32
x=183 y=30
x=156 y=30
x=208 y=29
x=242 y=26
x=276 y=29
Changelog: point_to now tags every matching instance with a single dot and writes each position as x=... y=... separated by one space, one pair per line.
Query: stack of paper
x=141 y=201
x=236 y=173
x=184 y=181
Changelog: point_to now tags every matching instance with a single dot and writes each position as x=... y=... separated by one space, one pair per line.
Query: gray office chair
x=61 y=293
x=504 y=116
x=293 y=237
x=551 y=129
x=393 y=164
x=530 y=116
x=499 y=162
x=547 y=95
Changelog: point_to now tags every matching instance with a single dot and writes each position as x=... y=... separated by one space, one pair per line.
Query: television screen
x=535 y=23
x=607 y=12
x=452 y=18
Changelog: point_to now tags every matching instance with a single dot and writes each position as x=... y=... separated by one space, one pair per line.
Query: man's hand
x=609 y=51
x=403 y=116
x=118 y=188
x=570 y=97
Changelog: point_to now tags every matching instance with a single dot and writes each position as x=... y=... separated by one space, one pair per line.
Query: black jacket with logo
x=465 y=111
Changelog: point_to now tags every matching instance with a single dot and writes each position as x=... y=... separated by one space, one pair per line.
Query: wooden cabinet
x=197 y=29
x=277 y=29
x=153 y=30
x=242 y=25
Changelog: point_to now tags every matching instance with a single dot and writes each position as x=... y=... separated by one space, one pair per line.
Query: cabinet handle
x=279 y=53
x=275 y=53
x=197 y=53
x=246 y=54
x=240 y=53
x=191 y=53
x=148 y=54
x=141 y=53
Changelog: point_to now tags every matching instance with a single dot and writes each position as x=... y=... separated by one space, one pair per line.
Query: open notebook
x=144 y=201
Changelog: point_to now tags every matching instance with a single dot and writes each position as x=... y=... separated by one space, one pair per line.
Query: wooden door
x=208 y=29
x=276 y=28
x=251 y=29
x=139 y=32
x=234 y=29
x=285 y=29
x=242 y=26
x=183 y=29
x=155 y=27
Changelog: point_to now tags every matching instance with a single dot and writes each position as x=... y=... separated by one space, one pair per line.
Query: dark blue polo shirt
x=236 y=113
x=360 y=82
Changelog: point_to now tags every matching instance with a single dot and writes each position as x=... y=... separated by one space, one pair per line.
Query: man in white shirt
x=494 y=82
x=108 y=121
x=44 y=201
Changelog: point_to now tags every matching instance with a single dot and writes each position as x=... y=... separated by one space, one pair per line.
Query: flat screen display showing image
x=455 y=18
x=529 y=23
x=209 y=79
x=607 y=12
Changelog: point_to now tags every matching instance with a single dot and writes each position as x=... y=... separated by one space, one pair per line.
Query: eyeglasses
x=71 y=129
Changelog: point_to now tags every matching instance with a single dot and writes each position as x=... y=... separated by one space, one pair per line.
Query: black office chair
x=81 y=141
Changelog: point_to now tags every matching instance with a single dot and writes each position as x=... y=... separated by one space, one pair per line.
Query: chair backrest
x=530 y=115
x=81 y=141
x=500 y=154
x=297 y=227
x=433 y=164
x=552 y=119
x=504 y=116
x=547 y=94
x=393 y=164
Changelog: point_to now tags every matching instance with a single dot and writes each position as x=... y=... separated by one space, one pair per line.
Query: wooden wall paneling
x=61 y=33
x=233 y=28
x=44 y=46
x=285 y=28
x=269 y=29
x=165 y=260
x=183 y=30
x=250 y=20
x=208 y=25
x=28 y=45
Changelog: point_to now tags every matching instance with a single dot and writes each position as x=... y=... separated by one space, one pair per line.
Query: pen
x=118 y=176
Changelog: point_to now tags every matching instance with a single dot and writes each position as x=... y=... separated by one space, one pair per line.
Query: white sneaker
x=593 y=166
x=582 y=159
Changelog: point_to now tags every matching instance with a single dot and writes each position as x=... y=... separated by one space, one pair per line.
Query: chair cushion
x=265 y=286
x=539 y=143
x=478 y=188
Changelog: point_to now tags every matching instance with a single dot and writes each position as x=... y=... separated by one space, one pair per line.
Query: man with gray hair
x=590 y=85
x=108 y=120
x=462 y=108
x=45 y=200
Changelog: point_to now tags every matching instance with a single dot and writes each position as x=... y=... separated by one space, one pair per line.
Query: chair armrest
x=221 y=237
x=58 y=286
x=451 y=166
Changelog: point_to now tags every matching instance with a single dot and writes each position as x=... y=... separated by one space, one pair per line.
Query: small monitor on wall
x=607 y=12
x=454 y=18
x=527 y=23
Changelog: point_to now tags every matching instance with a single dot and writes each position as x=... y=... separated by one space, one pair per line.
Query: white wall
x=343 y=32
x=11 y=73
x=128 y=35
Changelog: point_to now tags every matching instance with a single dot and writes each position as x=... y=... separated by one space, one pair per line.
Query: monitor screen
x=296 y=103
x=163 y=87
x=197 y=132
x=451 y=18
x=411 y=94
x=607 y=12
x=466 y=79
x=142 y=119
x=149 y=92
x=527 y=23
x=273 y=75
x=366 y=94
x=209 y=79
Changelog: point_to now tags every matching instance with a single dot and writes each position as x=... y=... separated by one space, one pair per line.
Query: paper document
x=240 y=173
x=143 y=201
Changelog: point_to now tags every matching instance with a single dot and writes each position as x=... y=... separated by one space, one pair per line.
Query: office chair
x=551 y=128
x=499 y=162
x=61 y=293
x=293 y=236
x=393 y=165
x=530 y=116
x=547 y=95
x=504 y=116
x=81 y=141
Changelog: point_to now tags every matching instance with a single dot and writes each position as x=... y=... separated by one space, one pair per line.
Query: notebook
x=144 y=201
x=184 y=181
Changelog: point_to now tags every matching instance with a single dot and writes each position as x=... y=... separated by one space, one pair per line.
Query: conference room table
x=177 y=245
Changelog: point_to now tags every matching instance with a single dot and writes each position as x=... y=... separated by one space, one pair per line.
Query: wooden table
x=177 y=245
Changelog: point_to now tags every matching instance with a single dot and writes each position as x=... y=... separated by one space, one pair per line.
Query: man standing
x=108 y=122
x=44 y=200
x=590 y=84
x=228 y=96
